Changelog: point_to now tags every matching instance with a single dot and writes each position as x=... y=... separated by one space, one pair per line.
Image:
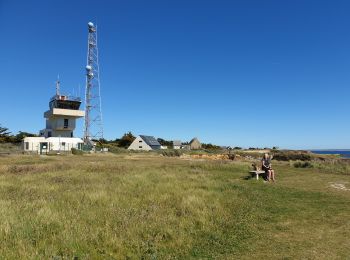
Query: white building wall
x=139 y=144
x=63 y=144
x=32 y=144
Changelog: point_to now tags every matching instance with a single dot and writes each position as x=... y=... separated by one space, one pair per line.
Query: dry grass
x=149 y=207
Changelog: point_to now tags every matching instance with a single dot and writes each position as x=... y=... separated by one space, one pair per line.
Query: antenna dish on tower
x=91 y=27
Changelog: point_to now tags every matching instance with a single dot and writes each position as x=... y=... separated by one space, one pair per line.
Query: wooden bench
x=256 y=173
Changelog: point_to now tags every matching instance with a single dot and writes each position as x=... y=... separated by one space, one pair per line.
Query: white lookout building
x=60 y=124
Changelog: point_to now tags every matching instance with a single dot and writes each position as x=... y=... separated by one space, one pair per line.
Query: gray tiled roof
x=150 y=140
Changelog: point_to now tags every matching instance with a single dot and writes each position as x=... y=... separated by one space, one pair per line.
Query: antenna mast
x=58 y=86
x=93 y=127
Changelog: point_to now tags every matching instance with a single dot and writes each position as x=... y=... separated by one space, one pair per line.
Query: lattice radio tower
x=93 y=127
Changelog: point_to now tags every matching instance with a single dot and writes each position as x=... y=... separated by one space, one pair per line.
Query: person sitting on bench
x=266 y=166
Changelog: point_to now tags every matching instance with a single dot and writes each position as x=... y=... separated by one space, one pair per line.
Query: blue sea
x=343 y=153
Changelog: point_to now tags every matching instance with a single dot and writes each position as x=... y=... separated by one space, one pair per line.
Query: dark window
x=63 y=144
x=49 y=134
x=140 y=147
x=65 y=124
x=27 y=145
x=71 y=134
x=140 y=141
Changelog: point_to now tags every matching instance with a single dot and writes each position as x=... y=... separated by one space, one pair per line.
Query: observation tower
x=62 y=115
x=58 y=135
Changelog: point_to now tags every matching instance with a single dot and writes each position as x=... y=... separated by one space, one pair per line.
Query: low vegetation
x=7 y=137
x=333 y=166
x=10 y=148
x=171 y=153
x=147 y=206
x=303 y=165
x=292 y=156
x=77 y=152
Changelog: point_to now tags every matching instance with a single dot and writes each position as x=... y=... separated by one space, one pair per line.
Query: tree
x=126 y=140
x=4 y=134
x=165 y=142
x=103 y=141
x=19 y=137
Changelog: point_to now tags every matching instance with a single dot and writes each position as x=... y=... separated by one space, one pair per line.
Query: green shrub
x=77 y=151
x=303 y=165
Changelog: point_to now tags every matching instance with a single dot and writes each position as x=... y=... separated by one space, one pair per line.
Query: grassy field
x=151 y=207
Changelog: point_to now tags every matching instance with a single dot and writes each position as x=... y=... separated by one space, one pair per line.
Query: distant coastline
x=344 y=153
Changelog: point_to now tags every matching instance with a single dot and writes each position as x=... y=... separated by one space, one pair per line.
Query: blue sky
x=243 y=73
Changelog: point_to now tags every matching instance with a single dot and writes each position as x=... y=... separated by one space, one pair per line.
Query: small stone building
x=177 y=144
x=195 y=144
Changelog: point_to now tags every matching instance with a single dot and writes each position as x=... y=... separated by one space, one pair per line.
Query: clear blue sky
x=243 y=73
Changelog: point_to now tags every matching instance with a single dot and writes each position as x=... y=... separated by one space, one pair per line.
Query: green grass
x=150 y=207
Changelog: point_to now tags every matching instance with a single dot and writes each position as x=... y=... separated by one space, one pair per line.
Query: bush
x=77 y=151
x=303 y=165
x=126 y=140
x=114 y=148
x=231 y=157
x=171 y=153
x=292 y=156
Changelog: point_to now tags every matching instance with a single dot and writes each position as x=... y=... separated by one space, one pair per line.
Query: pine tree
x=4 y=134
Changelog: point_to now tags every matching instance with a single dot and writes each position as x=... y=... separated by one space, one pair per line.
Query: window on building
x=65 y=124
x=26 y=145
x=140 y=147
x=71 y=134
x=63 y=144
x=140 y=141
x=49 y=134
